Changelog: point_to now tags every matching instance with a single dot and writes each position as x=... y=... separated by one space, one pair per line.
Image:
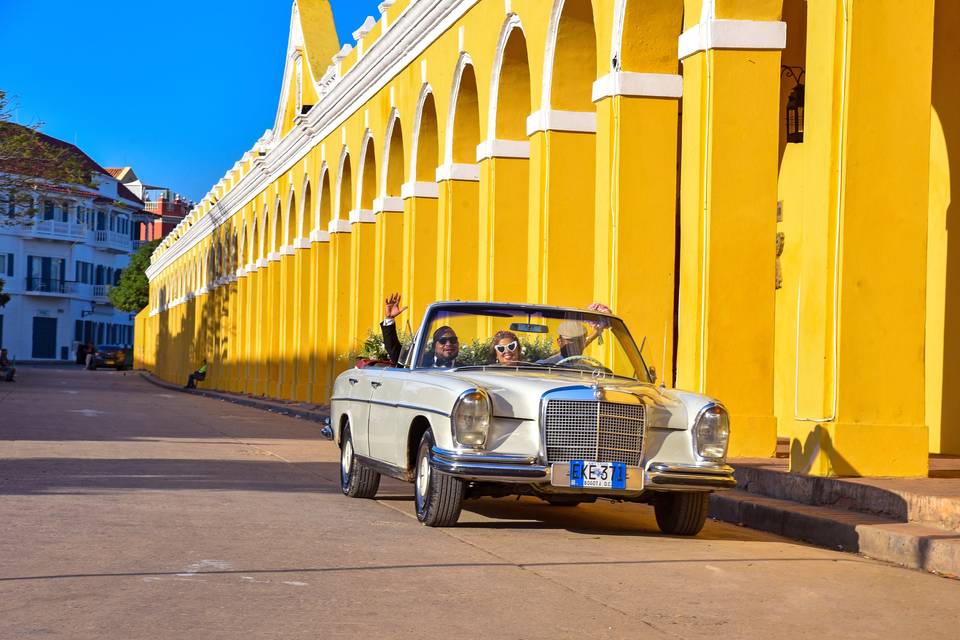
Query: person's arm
x=391 y=341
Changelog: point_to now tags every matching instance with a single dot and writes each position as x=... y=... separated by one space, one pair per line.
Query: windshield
x=514 y=336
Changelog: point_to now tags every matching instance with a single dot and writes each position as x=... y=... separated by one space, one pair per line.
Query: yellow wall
x=607 y=196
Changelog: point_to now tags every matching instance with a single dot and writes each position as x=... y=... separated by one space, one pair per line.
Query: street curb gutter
x=904 y=543
x=313 y=416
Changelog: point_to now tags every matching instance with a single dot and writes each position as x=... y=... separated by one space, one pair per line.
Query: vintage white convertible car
x=495 y=399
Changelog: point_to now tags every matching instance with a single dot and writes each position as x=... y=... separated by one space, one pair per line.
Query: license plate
x=600 y=475
x=109 y=362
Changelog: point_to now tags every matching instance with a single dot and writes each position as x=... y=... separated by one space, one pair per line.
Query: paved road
x=128 y=511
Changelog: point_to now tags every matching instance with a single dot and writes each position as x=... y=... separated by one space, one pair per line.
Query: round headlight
x=712 y=433
x=471 y=418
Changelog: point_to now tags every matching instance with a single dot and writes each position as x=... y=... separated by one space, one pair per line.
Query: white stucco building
x=59 y=267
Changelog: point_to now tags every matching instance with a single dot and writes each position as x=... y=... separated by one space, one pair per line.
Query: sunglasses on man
x=503 y=348
x=448 y=340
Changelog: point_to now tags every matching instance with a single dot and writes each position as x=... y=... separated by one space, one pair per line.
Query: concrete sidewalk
x=306 y=411
x=912 y=522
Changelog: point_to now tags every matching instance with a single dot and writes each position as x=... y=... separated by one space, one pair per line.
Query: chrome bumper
x=491 y=467
x=518 y=468
x=664 y=475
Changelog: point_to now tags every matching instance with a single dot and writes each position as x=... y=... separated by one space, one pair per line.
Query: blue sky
x=177 y=89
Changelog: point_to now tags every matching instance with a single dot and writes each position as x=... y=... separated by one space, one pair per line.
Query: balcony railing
x=100 y=292
x=57 y=230
x=112 y=240
x=52 y=286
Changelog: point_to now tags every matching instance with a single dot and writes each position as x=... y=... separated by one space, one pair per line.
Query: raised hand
x=392 y=306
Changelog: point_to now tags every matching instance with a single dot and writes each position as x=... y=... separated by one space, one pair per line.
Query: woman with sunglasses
x=506 y=348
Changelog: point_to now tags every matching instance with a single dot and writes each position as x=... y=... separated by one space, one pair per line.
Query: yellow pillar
x=504 y=198
x=272 y=326
x=286 y=306
x=419 y=247
x=561 y=224
x=339 y=307
x=636 y=206
x=728 y=196
x=388 y=272
x=321 y=333
x=363 y=264
x=457 y=231
x=302 y=334
x=861 y=317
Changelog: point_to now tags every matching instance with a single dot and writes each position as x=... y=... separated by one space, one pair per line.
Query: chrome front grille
x=591 y=430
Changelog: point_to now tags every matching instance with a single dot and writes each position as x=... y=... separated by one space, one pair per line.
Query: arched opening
x=344 y=188
x=291 y=220
x=465 y=115
x=574 y=58
x=513 y=101
x=305 y=208
x=368 y=181
x=254 y=242
x=275 y=227
x=324 y=204
x=393 y=180
x=426 y=142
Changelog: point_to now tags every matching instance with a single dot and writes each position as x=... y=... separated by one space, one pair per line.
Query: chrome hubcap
x=346 y=457
x=423 y=476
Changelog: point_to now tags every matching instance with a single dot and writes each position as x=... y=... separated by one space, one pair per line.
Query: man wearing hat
x=572 y=336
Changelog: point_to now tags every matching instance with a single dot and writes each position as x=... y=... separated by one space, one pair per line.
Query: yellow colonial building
x=762 y=188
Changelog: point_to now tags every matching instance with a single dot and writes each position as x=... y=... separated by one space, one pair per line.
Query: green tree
x=133 y=292
x=29 y=161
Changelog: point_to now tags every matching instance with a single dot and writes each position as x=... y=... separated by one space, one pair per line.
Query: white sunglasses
x=503 y=348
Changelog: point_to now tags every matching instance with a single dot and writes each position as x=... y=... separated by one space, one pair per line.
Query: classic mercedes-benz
x=493 y=399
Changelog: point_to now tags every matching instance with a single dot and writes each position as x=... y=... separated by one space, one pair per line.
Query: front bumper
x=522 y=469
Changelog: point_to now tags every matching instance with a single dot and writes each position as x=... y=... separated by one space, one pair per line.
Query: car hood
x=516 y=394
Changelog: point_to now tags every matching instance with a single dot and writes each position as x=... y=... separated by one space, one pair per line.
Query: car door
x=359 y=393
x=384 y=429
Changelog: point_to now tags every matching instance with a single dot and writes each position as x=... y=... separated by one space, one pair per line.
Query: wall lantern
x=93 y=309
x=794 y=103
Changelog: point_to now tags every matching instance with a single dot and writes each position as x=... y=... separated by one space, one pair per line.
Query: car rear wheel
x=439 y=496
x=682 y=513
x=356 y=479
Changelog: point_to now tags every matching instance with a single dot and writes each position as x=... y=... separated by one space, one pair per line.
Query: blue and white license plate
x=598 y=475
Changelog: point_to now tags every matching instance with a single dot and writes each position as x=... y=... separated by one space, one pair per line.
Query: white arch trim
x=392 y=121
x=512 y=22
x=425 y=90
x=462 y=64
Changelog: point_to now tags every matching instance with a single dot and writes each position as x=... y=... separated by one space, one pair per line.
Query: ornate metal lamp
x=794 y=103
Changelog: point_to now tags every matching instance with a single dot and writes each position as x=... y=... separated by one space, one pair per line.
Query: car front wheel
x=682 y=513
x=439 y=496
x=356 y=479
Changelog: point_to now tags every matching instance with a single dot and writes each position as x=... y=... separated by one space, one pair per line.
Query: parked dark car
x=120 y=358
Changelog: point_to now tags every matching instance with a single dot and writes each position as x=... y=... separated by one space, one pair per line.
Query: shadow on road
x=30 y=476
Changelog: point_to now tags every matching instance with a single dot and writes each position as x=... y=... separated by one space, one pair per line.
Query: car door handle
x=352 y=380
x=375 y=384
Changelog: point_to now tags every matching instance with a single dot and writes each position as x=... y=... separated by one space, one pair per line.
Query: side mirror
x=652 y=372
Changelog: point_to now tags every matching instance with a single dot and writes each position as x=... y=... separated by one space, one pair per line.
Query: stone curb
x=903 y=543
x=263 y=405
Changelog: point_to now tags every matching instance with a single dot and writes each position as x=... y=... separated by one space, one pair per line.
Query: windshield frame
x=415 y=354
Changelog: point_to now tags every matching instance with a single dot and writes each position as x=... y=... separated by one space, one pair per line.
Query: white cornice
x=458 y=171
x=338 y=225
x=388 y=205
x=361 y=215
x=732 y=34
x=503 y=149
x=419 y=190
x=648 y=85
x=301 y=243
x=319 y=235
x=414 y=30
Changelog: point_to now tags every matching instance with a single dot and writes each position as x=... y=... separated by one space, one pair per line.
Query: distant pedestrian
x=89 y=356
x=7 y=369
x=197 y=376
x=82 y=355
